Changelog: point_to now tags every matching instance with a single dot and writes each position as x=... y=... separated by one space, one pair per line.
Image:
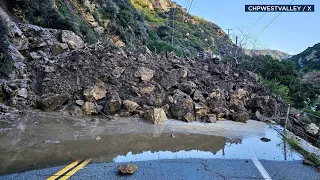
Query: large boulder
x=91 y=108
x=261 y=117
x=125 y=169
x=58 y=48
x=170 y=79
x=80 y=102
x=147 y=89
x=219 y=68
x=76 y=111
x=222 y=113
x=201 y=111
x=216 y=99
x=266 y=105
x=113 y=103
x=198 y=97
x=53 y=102
x=156 y=116
x=312 y=129
x=241 y=116
x=188 y=87
x=145 y=74
x=189 y=117
x=23 y=92
x=238 y=100
x=95 y=92
x=130 y=105
x=153 y=100
x=74 y=41
x=181 y=105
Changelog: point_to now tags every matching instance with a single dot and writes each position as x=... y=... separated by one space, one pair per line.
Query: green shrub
x=308 y=156
x=108 y=9
x=159 y=46
x=163 y=31
x=279 y=89
x=125 y=18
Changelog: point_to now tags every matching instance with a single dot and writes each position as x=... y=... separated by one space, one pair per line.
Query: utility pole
x=172 y=25
x=287 y=120
x=236 y=40
x=228 y=31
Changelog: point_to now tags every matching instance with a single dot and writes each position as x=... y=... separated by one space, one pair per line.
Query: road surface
x=186 y=169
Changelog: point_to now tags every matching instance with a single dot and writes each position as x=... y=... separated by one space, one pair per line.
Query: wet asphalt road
x=167 y=151
x=186 y=169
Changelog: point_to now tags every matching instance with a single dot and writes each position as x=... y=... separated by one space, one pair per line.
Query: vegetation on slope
x=309 y=59
x=125 y=21
x=308 y=64
x=284 y=79
x=191 y=34
x=307 y=155
x=116 y=17
x=135 y=23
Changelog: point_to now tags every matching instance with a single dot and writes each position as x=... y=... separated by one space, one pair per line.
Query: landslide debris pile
x=301 y=125
x=56 y=70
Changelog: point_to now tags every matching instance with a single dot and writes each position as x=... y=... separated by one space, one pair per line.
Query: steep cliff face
x=92 y=20
x=309 y=59
x=126 y=23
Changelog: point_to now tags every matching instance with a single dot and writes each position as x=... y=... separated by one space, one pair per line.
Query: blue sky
x=290 y=32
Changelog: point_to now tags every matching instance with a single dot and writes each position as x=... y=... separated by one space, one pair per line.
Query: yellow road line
x=67 y=168
x=76 y=169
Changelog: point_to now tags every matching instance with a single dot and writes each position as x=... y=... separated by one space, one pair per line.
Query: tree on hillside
x=236 y=52
x=312 y=78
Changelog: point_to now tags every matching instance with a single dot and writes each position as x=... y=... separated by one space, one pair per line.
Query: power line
x=260 y=18
x=271 y=21
x=256 y=23
x=186 y=4
x=190 y=6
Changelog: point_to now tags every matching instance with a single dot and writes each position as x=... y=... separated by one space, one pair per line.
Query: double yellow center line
x=69 y=170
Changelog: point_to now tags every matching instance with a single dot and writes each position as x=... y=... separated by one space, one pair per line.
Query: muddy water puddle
x=45 y=140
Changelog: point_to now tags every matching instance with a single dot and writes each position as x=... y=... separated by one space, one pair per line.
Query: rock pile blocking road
x=60 y=72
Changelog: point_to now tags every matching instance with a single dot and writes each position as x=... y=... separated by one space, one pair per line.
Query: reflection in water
x=233 y=149
x=148 y=155
x=46 y=141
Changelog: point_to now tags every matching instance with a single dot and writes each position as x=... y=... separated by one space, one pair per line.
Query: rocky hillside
x=126 y=23
x=308 y=59
x=192 y=34
x=56 y=70
x=273 y=53
x=92 y=20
